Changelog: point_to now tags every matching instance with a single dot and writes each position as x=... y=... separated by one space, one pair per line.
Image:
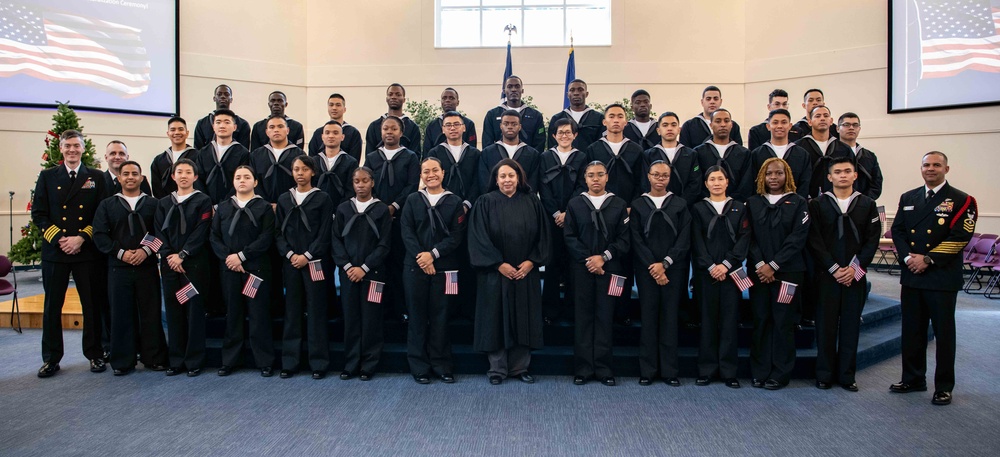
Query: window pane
x=598 y=3
x=589 y=26
x=459 y=28
x=446 y=3
x=494 y=20
x=544 y=2
x=543 y=27
x=501 y=2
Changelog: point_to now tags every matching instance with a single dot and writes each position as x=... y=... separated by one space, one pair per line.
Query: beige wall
x=310 y=48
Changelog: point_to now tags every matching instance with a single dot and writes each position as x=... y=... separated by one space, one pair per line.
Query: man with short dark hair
x=65 y=200
x=532 y=124
x=686 y=175
x=203 y=130
x=933 y=224
x=698 y=129
x=336 y=106
x=777 y=99
x=622 y=157
x=822 y=147
x=734 y=159
x=778 y=122
x=510 y=146
x=218 y=160
x=395 y=98
x=641 y=128
x=435 y=135
x=590 y=123
x=870 y=178
x=163 y=164
x=272 y=163
x=811 y=99
x=276 y=103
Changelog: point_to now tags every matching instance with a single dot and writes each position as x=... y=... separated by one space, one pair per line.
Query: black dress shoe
x=673 y=382
x=852 y=387
x=174 y=371
x=266 y=372
x=756 y=383
x=448 y=378
x=941 y=398
x=122 y=371
x=645 y=381
x=225 y=370
x=823 y=385
x=156 y=367
x=97 y=366
x=608 y=381
x=579 y=380
x=345 y=375
x=733 y=383
x=194 y=372
x=702 y=381
x=365 y=376
x=495 y=380
x=773 y=384
x=48 y=369
x=526 y=378
x=319 y=374
x=285 y=374
x=904 y=388
x=422 y=378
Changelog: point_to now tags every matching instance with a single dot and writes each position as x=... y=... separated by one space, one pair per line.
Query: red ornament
x=46 y=142
x=29 y=207
x=53 y=134
x=45 y=156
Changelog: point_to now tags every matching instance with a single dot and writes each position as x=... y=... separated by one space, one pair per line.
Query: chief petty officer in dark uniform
x=66 y=198
x=933 y=224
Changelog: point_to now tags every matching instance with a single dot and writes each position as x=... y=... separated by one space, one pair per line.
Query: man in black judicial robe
x=822 y=147
x=336 y=106
x=277 y=102
x=780 y=147
x=811 y=99
x=532 y=123
x=203 y=129
x=734 y=159
x=272 y=163
x=509 y=147
x=685 y=170
x=933 y=224
x=435 y=134
x=759 y=134
x=590 y=123
x=641 y=128
x=698 y=129
x=870 y=178
x=395 y=98
x=217 y=161
x=163 y=164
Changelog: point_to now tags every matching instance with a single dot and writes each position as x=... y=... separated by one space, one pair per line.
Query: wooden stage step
x=31 y=311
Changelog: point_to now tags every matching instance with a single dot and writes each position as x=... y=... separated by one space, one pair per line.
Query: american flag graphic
x=958 y=35
x=881 y=214
x=616 y=286
x=152 y=242
x=54 y=46
x=451 y=282
x=375 y=291
x=787 y=292
x=253 y=283
x=186 y=293
x=740 y=278
x=316 y=270
x=858 y=271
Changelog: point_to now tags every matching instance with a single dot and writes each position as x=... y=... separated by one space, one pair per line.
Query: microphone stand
x=14 y=308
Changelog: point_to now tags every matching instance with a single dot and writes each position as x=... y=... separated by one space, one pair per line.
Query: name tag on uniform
x=907 y=208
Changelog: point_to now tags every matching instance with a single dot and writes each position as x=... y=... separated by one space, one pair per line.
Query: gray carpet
x=146 y=413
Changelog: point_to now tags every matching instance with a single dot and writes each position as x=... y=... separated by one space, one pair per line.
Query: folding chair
x=980 y=262
x=883 y=251
x=993 y=284
x=6 y=288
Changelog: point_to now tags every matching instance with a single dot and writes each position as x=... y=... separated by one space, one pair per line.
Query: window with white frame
x=481 y=23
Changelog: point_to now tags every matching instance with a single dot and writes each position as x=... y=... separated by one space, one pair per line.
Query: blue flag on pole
x=570 y=76
x=507 y=72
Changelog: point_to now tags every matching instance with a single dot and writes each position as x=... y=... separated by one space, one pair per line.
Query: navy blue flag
x=507 y=72
x=570 y=76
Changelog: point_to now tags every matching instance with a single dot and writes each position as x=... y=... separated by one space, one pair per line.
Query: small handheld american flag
x=253 y=283
x=375 y=291
x=740 y=278
x=152 y=242
x=316 y=270
x=787 y=292
x=858 y=271
x=186 y=293
x=881 y=214
x=451 y=282
x=616 y=286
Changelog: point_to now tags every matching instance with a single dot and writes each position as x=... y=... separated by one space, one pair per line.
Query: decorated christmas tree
x=29 y=249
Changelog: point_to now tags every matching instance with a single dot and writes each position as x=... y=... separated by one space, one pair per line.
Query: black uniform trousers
x=594 y=317
x=100 y=293
x=936 y=307
x=428 y=346
x=772 y=349
x=276 y=293
x=659 y=307
x=186 y=323
x=393 y=294
x=305 y=296
x=55 y=280
x=838 y=326
x=363 y=338
x=554 y=304
x=238 y=306
x=719 y=301
x=135 y=316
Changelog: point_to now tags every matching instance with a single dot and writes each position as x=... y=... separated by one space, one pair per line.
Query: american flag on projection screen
x=958 y=35
x=60 y=47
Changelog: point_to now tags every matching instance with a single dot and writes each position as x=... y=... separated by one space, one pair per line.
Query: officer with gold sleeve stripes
x=66 y=198
x=933 y=224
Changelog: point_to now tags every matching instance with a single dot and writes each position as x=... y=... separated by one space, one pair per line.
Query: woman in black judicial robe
x=508 y=241
x=242 y=234
x=597 y=239
x=304 y=215
x=779 y=220
x=182 y=223
x=720 y=239
x=661 y=237
x=433 y=229
x=361 y=240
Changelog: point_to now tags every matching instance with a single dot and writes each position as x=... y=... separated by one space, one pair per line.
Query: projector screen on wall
x=106 y=55
x=943 y=54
